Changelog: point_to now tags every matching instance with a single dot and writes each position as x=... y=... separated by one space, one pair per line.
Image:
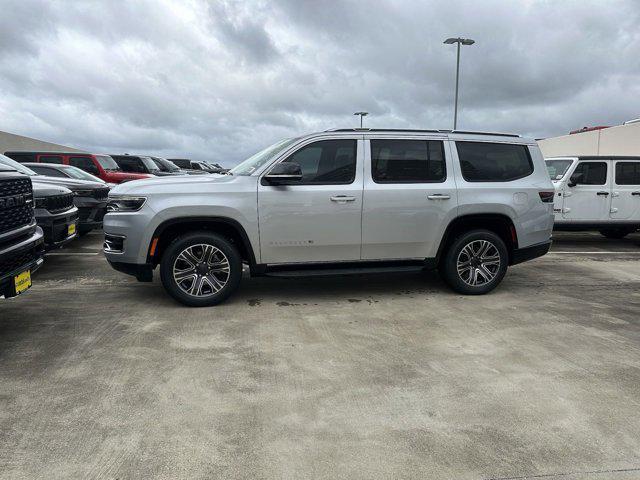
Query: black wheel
x=615 y=233
x=475 y=262
x=201 y=269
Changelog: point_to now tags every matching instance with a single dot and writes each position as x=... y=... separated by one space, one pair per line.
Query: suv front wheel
x=201 y=269
x=475 y=263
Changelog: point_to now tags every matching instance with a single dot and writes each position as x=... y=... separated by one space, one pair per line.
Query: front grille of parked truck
x=16 y=204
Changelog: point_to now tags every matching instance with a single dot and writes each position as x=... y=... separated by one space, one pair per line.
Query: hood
x=70 y=183
x=177 y=183
x=47 y=189
x=128 y=175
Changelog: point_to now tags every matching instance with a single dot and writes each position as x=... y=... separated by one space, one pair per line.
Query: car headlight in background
x=125 y=204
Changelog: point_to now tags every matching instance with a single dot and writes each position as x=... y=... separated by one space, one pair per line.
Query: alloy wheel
x=478 y=263
x=201 y=270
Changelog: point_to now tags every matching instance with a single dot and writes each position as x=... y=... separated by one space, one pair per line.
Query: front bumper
x=529 y=253
x=56 y=226
x=91 y=214
x=142 y=272
x=25 y=254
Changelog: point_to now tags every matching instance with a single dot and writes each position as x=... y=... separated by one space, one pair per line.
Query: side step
x=330 y=272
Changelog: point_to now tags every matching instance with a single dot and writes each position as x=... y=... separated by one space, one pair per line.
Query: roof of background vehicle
x=594 y=157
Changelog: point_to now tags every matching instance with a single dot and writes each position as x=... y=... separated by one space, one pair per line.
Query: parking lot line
x=64 y=254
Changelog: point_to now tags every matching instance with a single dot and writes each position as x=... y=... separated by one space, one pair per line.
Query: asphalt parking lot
x=381 y=376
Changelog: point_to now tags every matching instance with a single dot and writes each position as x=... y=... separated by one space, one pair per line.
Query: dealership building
x=621 y=140
x=10 y=142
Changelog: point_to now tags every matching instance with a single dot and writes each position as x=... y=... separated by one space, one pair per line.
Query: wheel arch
x=499 y=223
x=230 y=228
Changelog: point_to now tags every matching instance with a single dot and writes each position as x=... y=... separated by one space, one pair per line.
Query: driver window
x=327 y=162
x=590 y=173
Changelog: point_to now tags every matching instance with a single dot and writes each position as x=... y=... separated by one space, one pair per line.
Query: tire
x=186 y=255
x=615 y=233
x=465 y=249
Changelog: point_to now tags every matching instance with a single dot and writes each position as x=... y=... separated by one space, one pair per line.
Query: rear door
x=319 y=218
x=589 y=200
x=625 y=195
x=409 y=189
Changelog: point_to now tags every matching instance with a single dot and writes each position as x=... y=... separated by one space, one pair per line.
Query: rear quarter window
x=493 y=162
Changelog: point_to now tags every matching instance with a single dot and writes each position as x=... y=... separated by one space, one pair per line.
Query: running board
x=330 y=272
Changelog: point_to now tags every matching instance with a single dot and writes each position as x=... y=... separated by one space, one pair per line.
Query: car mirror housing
x=283 y=173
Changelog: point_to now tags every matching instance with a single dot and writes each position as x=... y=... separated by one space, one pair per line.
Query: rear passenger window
x=327 y=162
x=50 y=159
x=407 y=161
x=83 y=163
x=628 y=173
x=493 y=162
x=590 y=173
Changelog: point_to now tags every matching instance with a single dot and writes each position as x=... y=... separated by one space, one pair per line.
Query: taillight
x=547 y=197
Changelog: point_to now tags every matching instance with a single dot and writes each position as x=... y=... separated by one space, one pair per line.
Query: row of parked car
x=49 y=198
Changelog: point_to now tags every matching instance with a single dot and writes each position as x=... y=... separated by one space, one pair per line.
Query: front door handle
x=635 y=194
x=606 y=194
x=438 y=196
x=342 y=198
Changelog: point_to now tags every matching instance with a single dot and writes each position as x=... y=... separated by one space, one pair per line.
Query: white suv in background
x=467 y=203
x=596 y=193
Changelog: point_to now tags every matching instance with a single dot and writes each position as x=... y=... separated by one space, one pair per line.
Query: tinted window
x=21 y=157
x=130 y=164
x=327 y=162
x=590 y=173
x=628 y=173
x=51 y=172
x=50 y=159
x=107 y=162
x=493 y=162
x=407 y=161
x=83 y=163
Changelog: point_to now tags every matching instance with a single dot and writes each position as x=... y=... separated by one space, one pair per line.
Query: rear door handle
x=438 y=196
x=342 y=198
x=606 y=194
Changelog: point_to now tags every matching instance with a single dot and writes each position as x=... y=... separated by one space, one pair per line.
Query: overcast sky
x=219 y=80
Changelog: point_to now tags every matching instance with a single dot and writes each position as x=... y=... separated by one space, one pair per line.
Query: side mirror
x=283 y=173
x=575 y=179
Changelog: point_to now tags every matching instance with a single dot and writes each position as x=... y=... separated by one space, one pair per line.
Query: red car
x=102 y=166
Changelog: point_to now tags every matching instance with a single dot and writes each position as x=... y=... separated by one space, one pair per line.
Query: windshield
x=166 y=165
x=254 y=162
x=75 y=172
x=557 y=168
x=150 y=164
x=16 y=166
x=107 y=162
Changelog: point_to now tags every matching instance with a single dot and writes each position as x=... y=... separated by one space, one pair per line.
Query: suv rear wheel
x=475 y=263
x=201 y=269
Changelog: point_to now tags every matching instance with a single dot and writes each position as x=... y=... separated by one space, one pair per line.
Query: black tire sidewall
x=449 y=264
x=182 y=242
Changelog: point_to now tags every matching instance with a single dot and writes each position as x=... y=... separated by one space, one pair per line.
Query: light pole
x=362 y=114
x=459 y=41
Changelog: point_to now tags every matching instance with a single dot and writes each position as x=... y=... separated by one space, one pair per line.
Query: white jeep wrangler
x=596 y=193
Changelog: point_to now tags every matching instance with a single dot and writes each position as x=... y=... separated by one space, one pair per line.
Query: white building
x=10 y=142
x=619 y=140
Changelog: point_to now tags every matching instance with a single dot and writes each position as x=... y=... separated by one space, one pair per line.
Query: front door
x=587 y=195
x=409 y=191
x=625 y=201
x=317 y=219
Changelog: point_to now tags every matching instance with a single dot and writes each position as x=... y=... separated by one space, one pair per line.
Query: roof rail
x=468 y=132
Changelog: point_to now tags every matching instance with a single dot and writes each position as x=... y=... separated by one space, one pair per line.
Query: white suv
x=596 y=193
x=340 y=201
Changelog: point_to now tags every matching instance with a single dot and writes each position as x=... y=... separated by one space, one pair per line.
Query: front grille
x=21 y=259
x=101 y=193
x=15 y=217
x=59 y=203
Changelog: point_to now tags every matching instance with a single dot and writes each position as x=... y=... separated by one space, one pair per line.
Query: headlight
x=125 y=204
x=41 y=202
x=83 y=193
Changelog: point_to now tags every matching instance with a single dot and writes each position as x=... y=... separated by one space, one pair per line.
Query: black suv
x=21 y=240
x=55 y=214
x=89 y=196
x=140 y=164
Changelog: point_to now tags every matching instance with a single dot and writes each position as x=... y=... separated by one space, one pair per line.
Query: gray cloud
x=219 y=80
